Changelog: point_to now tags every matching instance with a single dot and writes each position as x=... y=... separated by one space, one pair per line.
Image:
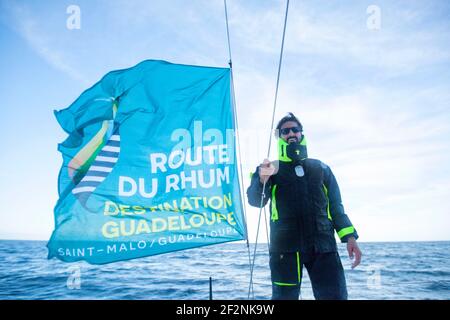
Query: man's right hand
x=266 y=169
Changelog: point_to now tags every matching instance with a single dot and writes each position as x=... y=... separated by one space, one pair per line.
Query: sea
x=389 y=271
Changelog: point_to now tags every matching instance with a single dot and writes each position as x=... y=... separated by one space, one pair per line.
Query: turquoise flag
x=149 y=165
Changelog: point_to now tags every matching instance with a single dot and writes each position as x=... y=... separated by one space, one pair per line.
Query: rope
x=233 y=97
x=270 y=142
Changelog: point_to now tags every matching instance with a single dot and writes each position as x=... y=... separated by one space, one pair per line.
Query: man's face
x=290 y=132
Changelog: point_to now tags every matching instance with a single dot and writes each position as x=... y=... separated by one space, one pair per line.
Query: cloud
x=27 y=25
x=385 y=157
x=340 y=33
x=374 y=104
x=184 y=32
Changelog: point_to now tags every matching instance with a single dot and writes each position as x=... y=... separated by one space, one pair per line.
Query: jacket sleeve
x=255 y=190
x=341 y=222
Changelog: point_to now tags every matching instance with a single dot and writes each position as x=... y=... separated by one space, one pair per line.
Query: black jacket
x=305 y=210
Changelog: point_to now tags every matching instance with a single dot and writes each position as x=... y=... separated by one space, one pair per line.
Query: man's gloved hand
x=266 y=169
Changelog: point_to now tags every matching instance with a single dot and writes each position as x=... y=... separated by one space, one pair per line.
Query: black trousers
x=325 y=272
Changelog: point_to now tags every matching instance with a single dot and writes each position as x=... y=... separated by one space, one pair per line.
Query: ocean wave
x=405 y=272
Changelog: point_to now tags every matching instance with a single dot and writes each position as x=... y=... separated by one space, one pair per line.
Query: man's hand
x=354 y=252
x=266 y=169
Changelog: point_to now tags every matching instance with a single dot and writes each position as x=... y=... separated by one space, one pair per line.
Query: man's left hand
x=354 y=252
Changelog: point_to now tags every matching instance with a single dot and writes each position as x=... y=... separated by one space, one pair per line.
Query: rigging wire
x=270 y=142
x=252 y=262
x=278 y=78
x=243 y=205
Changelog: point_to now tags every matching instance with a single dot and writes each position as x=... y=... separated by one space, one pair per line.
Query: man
x=305 y=210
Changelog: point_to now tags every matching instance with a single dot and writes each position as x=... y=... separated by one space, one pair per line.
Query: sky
x=369 y=80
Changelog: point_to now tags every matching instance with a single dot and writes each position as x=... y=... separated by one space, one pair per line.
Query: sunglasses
x=286 y=131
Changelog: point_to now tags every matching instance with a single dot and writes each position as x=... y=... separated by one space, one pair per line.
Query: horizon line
x=265 y=243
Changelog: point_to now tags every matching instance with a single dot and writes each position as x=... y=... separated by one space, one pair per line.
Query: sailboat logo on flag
x=149 y=165
x=105 y=156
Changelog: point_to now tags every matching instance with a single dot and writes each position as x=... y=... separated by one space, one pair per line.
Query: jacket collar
x=282 y=154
